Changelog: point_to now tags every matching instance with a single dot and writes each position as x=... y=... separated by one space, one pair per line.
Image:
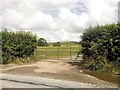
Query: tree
x=57 y=44
x=42 y=42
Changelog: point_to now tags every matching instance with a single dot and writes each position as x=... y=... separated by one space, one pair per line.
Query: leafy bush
x=102 y=45
x=18 y=44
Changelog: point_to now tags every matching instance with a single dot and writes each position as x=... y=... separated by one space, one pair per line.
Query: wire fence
x=64 y=52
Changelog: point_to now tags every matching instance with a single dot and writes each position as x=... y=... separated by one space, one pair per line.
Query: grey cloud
x=57 y=21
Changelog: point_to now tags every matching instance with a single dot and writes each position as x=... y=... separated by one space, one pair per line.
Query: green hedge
x=18 y=44
x=101 y=48
x=0 y=46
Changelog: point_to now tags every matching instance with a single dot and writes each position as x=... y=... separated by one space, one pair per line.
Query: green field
x=57 y=52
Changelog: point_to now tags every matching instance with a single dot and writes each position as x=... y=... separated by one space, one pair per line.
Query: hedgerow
x=101 y=48
x=18 y=44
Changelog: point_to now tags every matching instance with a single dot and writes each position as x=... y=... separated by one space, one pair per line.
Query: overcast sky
x=57 y=20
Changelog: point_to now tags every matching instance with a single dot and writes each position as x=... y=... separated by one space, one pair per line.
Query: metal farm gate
x=64 y=52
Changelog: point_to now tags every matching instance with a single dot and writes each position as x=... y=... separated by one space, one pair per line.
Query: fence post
x=70 y=52
x=57 y=52
x=46 y=55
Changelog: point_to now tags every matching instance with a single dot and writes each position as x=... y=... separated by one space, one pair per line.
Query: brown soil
x=55 y=70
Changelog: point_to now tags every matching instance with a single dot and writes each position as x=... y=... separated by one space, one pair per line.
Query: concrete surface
x=13 y=81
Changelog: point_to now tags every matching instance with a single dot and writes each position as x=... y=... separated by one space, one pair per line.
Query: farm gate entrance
x=64 y=52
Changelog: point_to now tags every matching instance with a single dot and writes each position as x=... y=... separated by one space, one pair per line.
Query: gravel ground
x=55 y=70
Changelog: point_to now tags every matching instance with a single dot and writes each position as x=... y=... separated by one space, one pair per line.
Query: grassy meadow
x=57 y=52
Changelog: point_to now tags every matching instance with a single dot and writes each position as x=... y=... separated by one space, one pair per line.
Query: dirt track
x=55 y=70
